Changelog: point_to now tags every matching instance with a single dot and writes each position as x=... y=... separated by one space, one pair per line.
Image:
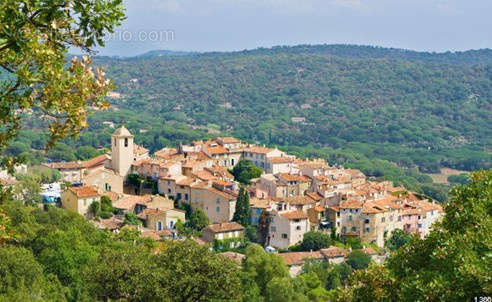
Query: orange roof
x=333 y=252
x=280 y=160
x=217 y=150
x=294 y=215
x=222 y=182
x=236 y=257
x=139 y=150
x=204 y=175
x=263 y=150
x=319 y=209
x=156 y=235
x=355 y=173
x=111 y=223
x=225 y=227
x=293 y=177
x=111 y=195
x=297 y=258
x=129 y=201
x=226 y=195
x=84 y=191
x=298 y=200
x=314 y=195
x=98 y=160
x=334 y=208
x=185 y=181
x=228 y=140
x=351 y=204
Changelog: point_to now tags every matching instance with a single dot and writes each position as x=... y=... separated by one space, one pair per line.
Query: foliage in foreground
x=57 y=255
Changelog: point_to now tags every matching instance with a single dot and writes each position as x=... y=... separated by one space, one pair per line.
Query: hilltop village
x=291 y=197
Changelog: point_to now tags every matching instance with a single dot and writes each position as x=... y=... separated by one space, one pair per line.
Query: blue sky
x=224 y=25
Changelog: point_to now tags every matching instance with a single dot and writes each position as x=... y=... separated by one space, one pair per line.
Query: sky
x=227 y=25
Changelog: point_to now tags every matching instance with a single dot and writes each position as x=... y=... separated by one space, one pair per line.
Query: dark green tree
x=246 y=170
x=131 y=219
x=314 y=241
x=358 y=260
x=242 y=210
x=397 y=239
x=198 y=220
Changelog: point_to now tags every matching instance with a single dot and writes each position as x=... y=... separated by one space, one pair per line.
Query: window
x=186 y=196
x=420 y=225
x=179 y=196
x=391 y=218
x=399 y=218
x=354 y=229
x=298 y=228
x=168 y=190
x=338 y=214
x=419 y=217
x=367 y=220
x=258 y=211
x=218 y=200
x=367 y=230
x=232 y=161
x=273 y=229
x=218 y=209
x=115 y=141
x=256 y=220
x=338 y=224
x=383 y=219
x=344 y=229
x=284 y=236
x=350 y=217
x=126 y=142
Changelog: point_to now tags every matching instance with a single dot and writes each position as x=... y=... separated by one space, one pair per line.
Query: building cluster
x=292 y=196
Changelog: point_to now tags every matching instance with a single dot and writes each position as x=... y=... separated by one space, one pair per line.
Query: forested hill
x=469 y=57
x=409 y=112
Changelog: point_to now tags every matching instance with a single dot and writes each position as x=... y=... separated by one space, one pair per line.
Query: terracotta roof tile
x=225 y=227
x=217 y=150
x=297 y=258
x=85 y=191
x=294 y=215
x=314 y=196
x=333 y=252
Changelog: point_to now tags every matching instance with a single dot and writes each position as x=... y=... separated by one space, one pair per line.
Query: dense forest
x=392 y=113
x=415 y=112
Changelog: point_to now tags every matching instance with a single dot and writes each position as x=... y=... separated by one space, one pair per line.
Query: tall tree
x=242 y=211
x=35 y=37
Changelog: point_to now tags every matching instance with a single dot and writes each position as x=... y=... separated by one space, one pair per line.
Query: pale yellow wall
x=121 y=156
x=207 y=200
x=72 y=203
x=106 y=177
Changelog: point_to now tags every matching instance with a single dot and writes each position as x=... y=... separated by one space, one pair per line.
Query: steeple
x=122 y=151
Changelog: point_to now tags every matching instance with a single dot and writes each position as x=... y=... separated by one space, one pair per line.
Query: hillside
x=386 y=112
x=384 y=103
